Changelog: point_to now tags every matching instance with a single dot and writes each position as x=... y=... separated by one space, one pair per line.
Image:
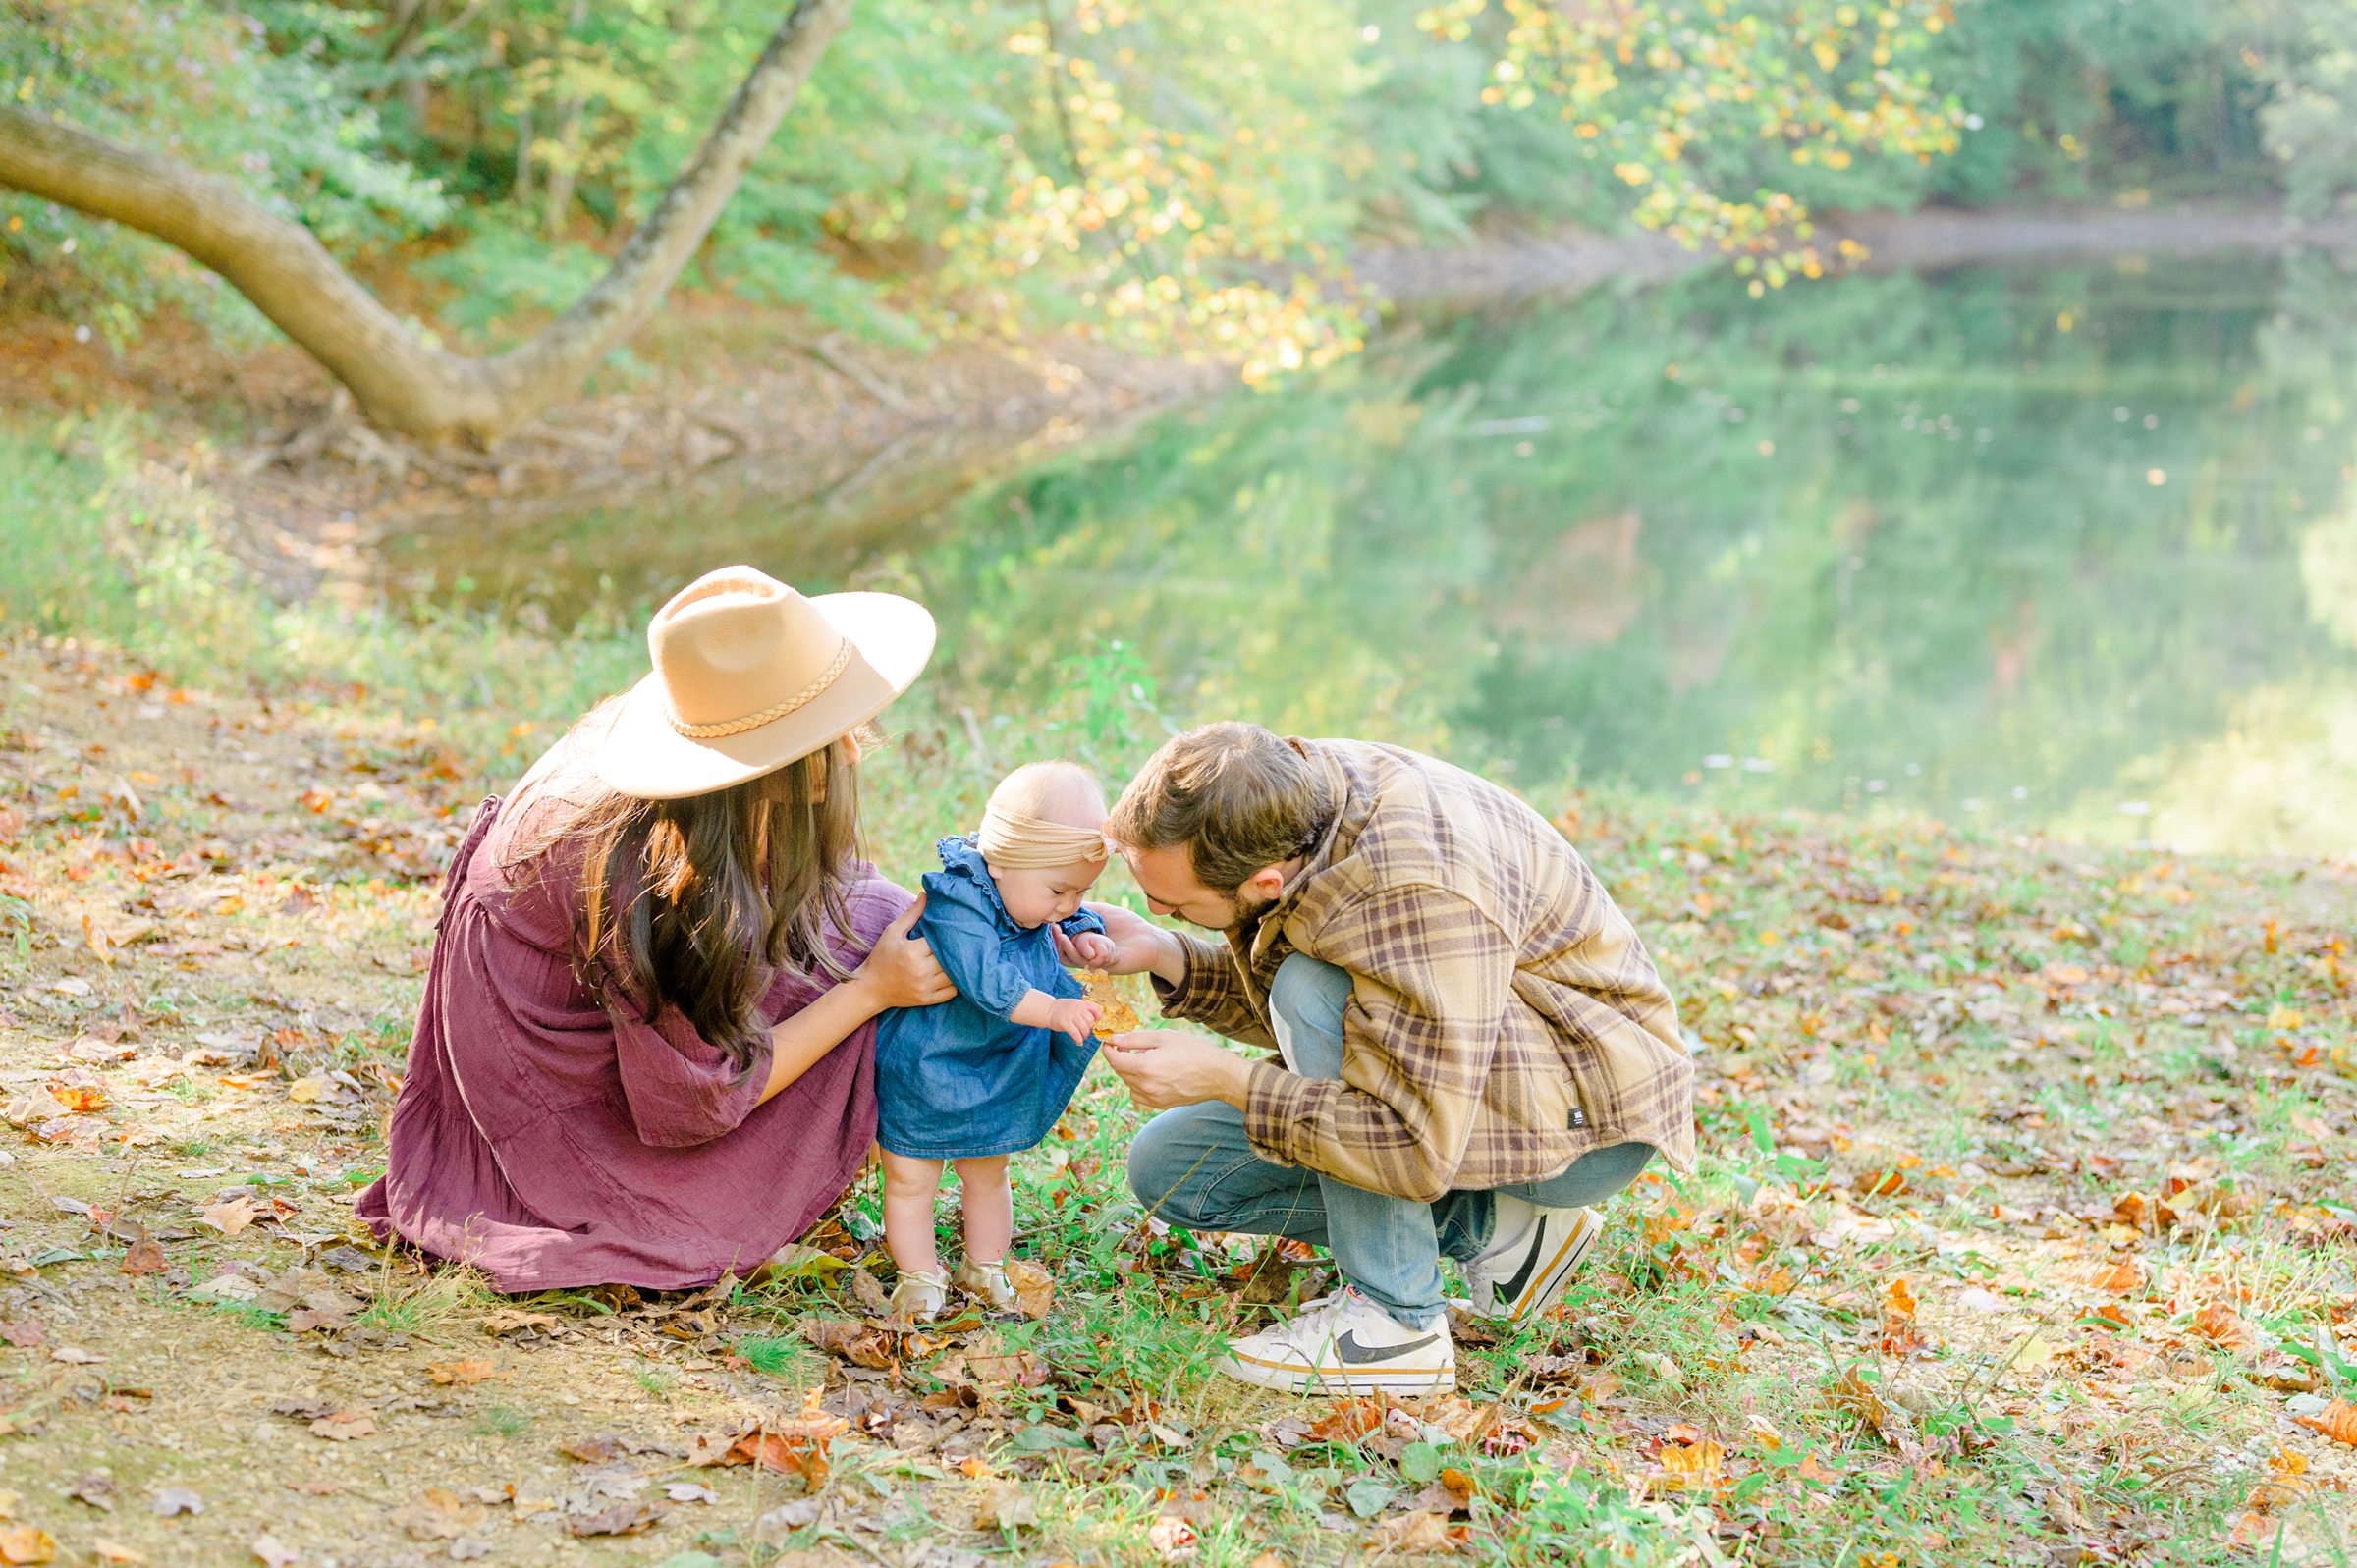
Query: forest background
x=2025 y=1214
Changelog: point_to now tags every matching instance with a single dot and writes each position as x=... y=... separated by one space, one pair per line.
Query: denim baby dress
x=957 y=1080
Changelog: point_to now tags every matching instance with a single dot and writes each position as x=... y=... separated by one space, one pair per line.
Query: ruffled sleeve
x=963 y=928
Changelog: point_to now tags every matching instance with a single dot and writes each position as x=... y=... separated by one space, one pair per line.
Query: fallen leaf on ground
x=462 y=1373
x=145 y=1256
x=25 y=1544
x=273 y=1552
x=622 y=1519
x=76 y=1356
x=1034 y=1288
x=171 y=1500
x=862 y=1348
x=2223 y=1327
x=2337 y=1421
x=79 y=1098
x=602 y=1449
x=342 y=1425
x=439 y=1515
x=513 y=1320
x=231 y=1215
x=109 y=1551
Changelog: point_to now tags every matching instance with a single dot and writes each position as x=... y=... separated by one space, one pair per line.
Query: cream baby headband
x=1014 y=842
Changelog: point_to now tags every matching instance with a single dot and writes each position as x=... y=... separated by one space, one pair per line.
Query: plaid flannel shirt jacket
x=1503 y=1018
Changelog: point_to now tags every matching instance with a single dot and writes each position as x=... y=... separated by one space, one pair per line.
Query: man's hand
x=1132 y=944
x=1166 y=1067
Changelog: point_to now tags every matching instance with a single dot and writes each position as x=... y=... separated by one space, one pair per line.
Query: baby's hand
x=1074 y=1018
x=1096 y=949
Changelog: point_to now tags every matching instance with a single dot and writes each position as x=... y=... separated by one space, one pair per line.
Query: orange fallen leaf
x=1692 y=1467
x=109 y=1551
x=78 y=1097
x=2121 y=1278
x=26 y=1543
x=1898 y=1300
x=344 y=1425
x=1170 y=1535
x=2223 y=1327
x=2337 y=1421
x=463 y=1374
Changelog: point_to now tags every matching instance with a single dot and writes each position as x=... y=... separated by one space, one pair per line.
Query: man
x=1474 y=1044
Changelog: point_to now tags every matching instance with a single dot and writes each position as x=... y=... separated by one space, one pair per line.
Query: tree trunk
x=399 y=381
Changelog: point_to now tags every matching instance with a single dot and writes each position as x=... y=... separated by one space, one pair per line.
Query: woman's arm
x=899 y=971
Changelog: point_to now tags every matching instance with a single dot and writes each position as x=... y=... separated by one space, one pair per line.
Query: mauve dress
x=552 y=1142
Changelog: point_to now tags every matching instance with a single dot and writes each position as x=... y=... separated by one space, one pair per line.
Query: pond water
x=2065 y=547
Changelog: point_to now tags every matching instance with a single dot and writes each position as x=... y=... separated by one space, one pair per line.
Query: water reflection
x=2055 y=546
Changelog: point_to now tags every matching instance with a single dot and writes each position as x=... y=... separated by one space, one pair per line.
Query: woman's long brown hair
x=697 y=903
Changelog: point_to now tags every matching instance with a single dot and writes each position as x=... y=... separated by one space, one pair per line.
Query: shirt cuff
x=1276 y=1107
x=1199 y=991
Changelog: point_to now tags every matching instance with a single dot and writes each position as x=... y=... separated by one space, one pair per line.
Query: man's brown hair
x=1239 y=797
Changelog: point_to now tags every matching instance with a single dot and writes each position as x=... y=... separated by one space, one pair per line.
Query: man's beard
x=1248 y=914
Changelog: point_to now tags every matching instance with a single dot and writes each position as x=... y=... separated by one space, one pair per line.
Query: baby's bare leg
x=988 y=1205
x=909 y=1184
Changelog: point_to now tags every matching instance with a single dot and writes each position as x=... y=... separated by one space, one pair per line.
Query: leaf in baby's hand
x=1117 y=1017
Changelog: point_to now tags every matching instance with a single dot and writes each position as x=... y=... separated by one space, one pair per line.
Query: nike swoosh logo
x=1513 y=1290
x=1354 y=1354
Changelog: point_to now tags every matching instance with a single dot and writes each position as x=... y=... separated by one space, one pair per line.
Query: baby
x=972 y=1079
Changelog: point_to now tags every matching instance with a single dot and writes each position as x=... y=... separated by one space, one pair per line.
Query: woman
x=643 y=1056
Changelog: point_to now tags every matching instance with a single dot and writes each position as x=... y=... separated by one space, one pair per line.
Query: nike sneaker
x=1346 y=1344
x=1532 y=1255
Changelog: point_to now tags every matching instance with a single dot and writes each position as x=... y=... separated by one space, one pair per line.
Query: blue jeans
x=1194 y=1166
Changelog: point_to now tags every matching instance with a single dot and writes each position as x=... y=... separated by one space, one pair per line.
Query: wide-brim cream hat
x=750 y=675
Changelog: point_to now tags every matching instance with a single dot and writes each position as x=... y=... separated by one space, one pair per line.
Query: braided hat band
x=771 y=714
x=1010 y=841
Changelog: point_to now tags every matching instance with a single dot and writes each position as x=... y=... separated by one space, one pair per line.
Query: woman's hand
x=1074 y=1018
x=1131 y=944
x=900 y=970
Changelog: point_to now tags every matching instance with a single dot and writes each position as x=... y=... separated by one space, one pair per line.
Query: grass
x=2024 y=1216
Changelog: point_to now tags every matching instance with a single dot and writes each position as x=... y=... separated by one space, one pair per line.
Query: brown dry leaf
x=231 y=1215
x=513 y=1320
x=1347 y=1422
x=462 y=1373
x=2337 y=1421
x=2223 y=1327
x=439 y=1515
x=1105 y=990
x=1007 y=1506
x=622 y=1519
x=1898 y=1300
x=783 y=1455
x=1034 y=1288
x=342 y=1425
x=1423 y=1531
x=26 y=1543
x=145 y=1256
x=604 y=1448
x=109 y=1551
x=862 y=1348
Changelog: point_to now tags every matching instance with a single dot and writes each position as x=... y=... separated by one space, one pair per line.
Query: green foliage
x=2311 y=119
x=269 y=93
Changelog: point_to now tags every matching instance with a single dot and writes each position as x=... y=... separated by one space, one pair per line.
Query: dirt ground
x=2026 y=1232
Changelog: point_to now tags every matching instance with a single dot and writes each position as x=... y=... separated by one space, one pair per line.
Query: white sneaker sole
x=1294 y=1377
x=1546 y=1283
